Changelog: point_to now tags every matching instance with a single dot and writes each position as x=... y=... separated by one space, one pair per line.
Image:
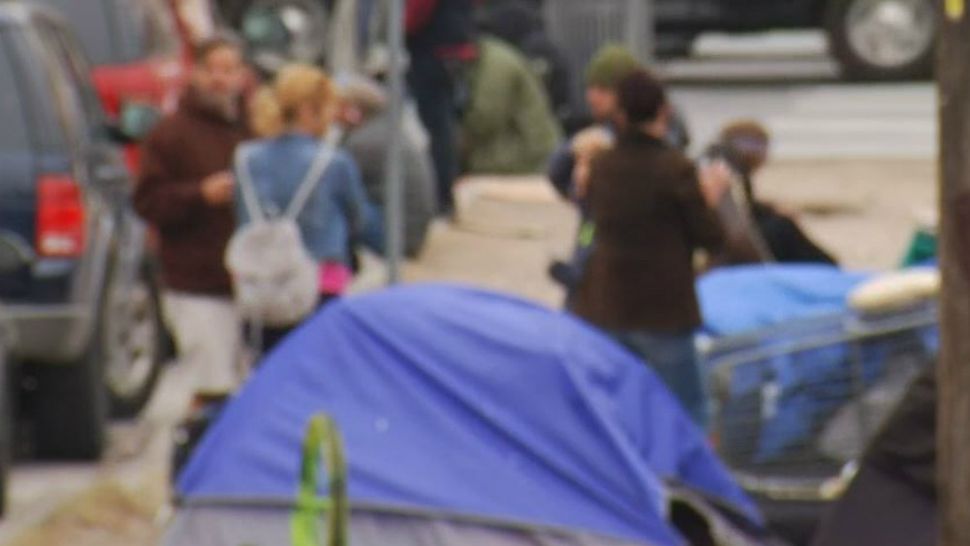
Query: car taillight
x=60 y=217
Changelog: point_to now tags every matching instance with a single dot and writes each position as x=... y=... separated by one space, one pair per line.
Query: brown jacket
x=650 y=216
x=184 y=149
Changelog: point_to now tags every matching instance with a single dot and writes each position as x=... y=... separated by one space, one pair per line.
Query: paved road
x=787 y=81
x=137 y=459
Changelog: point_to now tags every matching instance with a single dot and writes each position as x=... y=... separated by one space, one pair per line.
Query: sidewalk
x=506 y=232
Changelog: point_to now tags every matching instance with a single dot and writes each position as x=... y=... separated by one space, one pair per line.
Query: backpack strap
x=246 y=187
x=325 y=156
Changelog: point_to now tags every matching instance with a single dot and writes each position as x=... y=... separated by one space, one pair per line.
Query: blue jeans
x=674 y=358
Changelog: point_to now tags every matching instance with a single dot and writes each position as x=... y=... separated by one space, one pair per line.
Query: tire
x=7 y=425
x=892 y=40
x=70 y=407
x=133 y=338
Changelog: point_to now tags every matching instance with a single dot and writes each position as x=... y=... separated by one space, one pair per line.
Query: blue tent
x=463 y=412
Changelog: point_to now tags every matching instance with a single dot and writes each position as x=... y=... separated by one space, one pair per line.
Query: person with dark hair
x=651 y=212
x=744 y=146
x=441 y=41
x=607 y=69
x=202 y=48
x=185 y=190
x=610 y=66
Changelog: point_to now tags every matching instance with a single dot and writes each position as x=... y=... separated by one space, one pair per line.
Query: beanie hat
x=610 y=66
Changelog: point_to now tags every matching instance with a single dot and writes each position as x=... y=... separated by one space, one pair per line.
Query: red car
x=141 y=50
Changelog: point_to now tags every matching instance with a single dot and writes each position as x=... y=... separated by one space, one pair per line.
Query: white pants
x=207 y=332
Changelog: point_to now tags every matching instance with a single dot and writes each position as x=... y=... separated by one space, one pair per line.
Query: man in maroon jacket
x=186 y=191
x=441 y=41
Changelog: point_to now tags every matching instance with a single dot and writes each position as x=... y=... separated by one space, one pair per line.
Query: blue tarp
x=466 y=402
x=785 y=302
x=738 y=300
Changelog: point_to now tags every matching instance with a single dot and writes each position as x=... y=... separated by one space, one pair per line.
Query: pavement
x=854 y=161
x=788 y=82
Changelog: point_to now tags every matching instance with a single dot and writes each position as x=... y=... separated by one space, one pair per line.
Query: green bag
x=322 y=441
x=923 y=247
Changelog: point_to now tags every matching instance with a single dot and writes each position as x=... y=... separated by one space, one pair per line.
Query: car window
x=121 y=31
x=145 y=28
x=161 y=29
x=79 y=73
x=90 y=20
x=15 y=136
x=70 y=100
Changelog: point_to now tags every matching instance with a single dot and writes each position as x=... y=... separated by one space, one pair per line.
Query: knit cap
x=611 y=64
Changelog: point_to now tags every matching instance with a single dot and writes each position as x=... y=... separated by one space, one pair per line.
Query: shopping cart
x=796 y=404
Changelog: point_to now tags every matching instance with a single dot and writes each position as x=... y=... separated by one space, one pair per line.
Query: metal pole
x=953 y=437
x=393 y=185
x=640 y=30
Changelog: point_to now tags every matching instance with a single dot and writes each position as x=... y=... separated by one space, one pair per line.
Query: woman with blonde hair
x=292 y=116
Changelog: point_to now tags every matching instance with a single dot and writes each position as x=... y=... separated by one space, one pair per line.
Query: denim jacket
x=338 y=210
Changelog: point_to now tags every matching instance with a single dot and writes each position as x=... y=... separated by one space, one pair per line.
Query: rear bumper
x=48 y=334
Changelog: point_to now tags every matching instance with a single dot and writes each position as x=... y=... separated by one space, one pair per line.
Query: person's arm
x=161 y=198
x=418 y=14
x=560 y=170
x=361 y=215
x=698 y=197
x=419 y=197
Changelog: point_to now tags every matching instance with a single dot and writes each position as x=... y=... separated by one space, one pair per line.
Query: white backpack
x=275 y=280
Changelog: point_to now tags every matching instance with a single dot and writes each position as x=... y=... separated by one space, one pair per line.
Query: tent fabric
x=738 y=300
x=264 y=526
x=466 y=402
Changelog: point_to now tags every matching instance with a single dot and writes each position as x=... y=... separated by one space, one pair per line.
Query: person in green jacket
x=508 y=127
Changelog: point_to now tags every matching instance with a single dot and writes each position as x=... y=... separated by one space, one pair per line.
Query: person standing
x=365 y=115
x=608 y=68
x=185 y=190
x=291 y=117
x=441 y=41
x=651 y=214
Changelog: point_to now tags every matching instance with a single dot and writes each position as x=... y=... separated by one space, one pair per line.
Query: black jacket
x=450 y=27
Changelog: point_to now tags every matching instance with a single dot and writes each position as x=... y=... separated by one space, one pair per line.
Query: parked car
x=12 y=258
x=141 y=52
x=85 y=306
x=871 y=39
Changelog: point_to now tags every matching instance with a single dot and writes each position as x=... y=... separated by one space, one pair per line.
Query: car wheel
x=133 y=339
x=70 y=406
x=883 y=39
x=7 y=424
